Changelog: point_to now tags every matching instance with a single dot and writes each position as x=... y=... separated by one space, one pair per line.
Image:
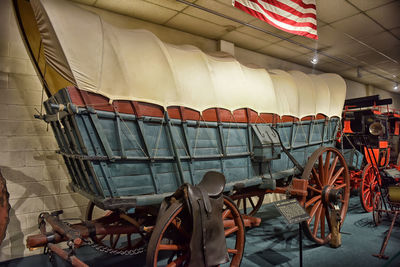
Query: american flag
x=294 y=16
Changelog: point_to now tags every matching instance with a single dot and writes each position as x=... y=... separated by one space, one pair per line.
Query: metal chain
x=111 y=251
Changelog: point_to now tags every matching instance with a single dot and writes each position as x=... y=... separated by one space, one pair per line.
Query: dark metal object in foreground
x=381 y=254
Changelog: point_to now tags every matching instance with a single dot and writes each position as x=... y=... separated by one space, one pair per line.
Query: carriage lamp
x=396 y=86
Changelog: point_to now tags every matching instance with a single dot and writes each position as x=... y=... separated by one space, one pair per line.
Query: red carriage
x=370 y=140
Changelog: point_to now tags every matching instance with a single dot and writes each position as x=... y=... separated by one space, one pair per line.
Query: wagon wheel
x=328 y=183
x=377 y=209
x=251 y=201
x=169 y=242
x=94 y=212
x=4 y=208
x=120 y=240
x=368 y=185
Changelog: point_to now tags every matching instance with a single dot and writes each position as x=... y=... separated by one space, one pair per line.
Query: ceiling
x=364 y=33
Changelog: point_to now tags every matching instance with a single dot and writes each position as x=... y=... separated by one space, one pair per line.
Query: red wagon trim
x=243 y=115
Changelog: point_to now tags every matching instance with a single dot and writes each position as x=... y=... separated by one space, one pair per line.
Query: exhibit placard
x=291 y=210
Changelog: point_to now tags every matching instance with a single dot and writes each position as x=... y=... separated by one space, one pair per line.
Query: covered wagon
x=136 y=118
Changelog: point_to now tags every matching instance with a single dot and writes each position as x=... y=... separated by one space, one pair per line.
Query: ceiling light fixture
x=396 y=86
x=314 y=60
x=359 y=75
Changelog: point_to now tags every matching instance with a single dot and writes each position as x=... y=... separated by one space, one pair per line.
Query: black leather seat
x=213 y=183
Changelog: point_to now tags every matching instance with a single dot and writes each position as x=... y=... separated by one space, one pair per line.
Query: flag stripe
x=288 y=15
x=293 y=8
x=282 y=21
x=303 y=3
x=262 y=17
x=280 y=14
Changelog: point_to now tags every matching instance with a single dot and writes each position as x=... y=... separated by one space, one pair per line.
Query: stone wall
x=36 y=177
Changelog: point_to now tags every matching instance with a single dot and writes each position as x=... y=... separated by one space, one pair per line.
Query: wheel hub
x=331 y=195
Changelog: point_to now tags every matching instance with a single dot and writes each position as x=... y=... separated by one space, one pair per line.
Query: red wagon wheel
x=169 y=242
x=328 y=183
x=118 y=238
x=250 y=201
x=377 y=209
x=369 y=182
x=4 y=208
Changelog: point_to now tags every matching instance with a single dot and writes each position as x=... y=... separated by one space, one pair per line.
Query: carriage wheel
x=93 y=212
x=367 y=188
x=377 y=209
x=119 y=240
x=328 y=183
x=4 y=208
x=169 y=242
x=251 y=202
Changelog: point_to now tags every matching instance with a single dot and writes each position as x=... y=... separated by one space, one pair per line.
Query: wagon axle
x=331 y=195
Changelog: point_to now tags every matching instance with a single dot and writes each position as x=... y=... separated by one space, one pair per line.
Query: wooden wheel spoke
x=115 y=242
x=322 y=217
x=334 y=177
x=368 y=178
x=317 y=219
x=316 y=177
x=340 y=186
x=326 y=166
x=368 y=197
x=312 y=200
x=332 y=169
x=313 y=210
x=238 y=202
x=178 y=261
x=244 y=206
x=321 y=170
x=327 y=216
x=314 y=189
x=252 y=203
x=111 y=239
x=231 y=230
x=173 y=247
x=226 y=213
x=180 y=229
x=129 y=239
x=101 y=237
x=232 y=251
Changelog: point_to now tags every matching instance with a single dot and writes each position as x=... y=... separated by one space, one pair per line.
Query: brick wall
x=36 y=177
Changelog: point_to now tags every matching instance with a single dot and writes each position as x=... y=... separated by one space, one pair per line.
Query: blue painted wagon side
x=354 y=158
x=119 y=159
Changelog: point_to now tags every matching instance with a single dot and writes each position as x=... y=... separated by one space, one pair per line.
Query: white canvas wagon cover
x=127 y=64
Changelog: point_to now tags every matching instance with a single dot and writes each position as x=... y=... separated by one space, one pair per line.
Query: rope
x=158 y=139
x=130 y=132
x=180 y=140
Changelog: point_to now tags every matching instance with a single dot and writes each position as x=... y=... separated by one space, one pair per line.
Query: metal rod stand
x=381 y=254
x=301 y=244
